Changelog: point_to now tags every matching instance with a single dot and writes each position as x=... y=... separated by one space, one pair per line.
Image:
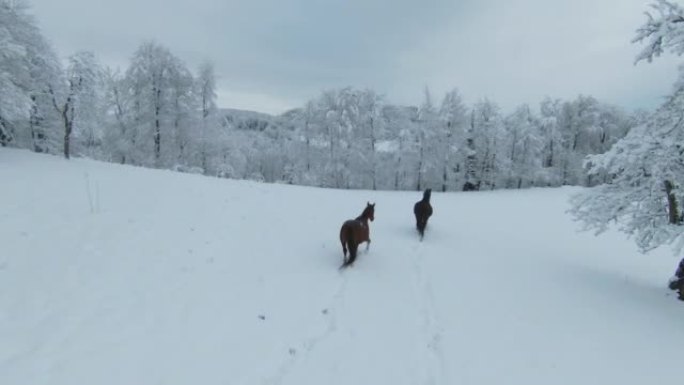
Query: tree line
x=158 y=113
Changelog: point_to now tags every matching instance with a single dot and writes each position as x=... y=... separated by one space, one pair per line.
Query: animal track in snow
x=303 y=349
x=432 y=332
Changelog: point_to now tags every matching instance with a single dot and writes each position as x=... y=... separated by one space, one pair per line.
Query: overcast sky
x=272 y=55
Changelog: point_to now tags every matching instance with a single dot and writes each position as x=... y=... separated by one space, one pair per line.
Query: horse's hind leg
x=344 y=251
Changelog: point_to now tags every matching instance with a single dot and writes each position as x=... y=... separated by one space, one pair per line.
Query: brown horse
x=354 y=232
x=423 y=210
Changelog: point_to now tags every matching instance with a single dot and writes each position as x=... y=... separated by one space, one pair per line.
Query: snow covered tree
x=159 y=83
x=90 y=107
x=525 y=147
x=611 y=125
x=307 y=132
x=120 y=137
x=27 y=66
x=306 y=142
x=402 y=128
x=334 y=126
x=661 y=32
x=647 y=171
x=485 y=162
x=78 y=99
x=338 y=118
x=15 y=100
x=206 y=83
x=470 y=178
x=454 y=120
x=551 y=141
x=646 y=167
x=577 y=121
x=426 y=142
x=335 y=139
x=183 y=105
x=44 y=128
x=157 y=112
x=571 y=130
x=371 y=130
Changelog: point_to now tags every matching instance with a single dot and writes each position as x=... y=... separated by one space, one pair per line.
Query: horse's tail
x=421 y=220
x=420 y=224
x=343 y=240
x=352 y=245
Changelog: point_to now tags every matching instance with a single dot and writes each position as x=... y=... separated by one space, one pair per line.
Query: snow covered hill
x=245 y=119
x=121 y=275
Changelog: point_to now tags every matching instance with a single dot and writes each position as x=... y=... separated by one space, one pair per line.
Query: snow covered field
x=120 y=275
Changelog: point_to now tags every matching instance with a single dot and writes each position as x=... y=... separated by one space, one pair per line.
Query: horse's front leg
x=368 y=244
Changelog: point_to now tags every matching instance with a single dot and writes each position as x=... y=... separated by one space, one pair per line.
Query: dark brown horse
x=423 y=210
x=354 y=232
x=677 y=281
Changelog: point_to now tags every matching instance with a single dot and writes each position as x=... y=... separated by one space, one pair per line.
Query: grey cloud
x=270 y=53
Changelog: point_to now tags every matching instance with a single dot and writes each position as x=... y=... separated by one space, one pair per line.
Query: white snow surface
x=117 y=275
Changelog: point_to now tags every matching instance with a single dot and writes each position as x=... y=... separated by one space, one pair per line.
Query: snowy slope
x=121 y=275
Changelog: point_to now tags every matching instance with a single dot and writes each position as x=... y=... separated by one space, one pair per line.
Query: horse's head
x=369 y=211
x=426 y=195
